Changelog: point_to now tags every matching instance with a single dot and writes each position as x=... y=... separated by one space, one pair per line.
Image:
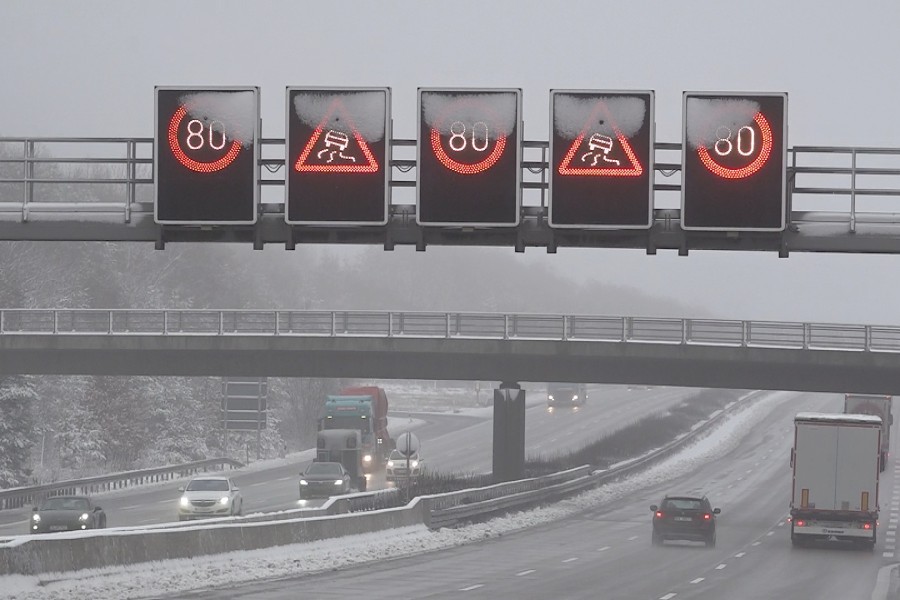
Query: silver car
x=209 y=497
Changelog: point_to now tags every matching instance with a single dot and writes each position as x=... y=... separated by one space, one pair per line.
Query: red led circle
x=460 y=167
x=190 y=163
x=764 y=153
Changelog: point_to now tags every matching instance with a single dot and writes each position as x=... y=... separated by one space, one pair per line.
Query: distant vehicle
x=365 y=410
x=67 y=513
x=324 y=479
x=870 y=404
x=684 y=518
x=566 y=395
x=210 y=497
x=835 y=462
x=396 y=470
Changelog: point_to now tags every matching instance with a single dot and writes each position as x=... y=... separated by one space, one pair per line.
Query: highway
x=605 y=552
x=450 y=443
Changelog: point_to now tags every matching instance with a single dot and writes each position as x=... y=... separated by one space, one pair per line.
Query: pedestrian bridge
x=466 y=346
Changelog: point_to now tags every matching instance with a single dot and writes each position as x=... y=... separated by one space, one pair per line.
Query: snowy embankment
x=167 y=577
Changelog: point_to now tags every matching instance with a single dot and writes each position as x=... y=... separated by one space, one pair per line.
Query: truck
x=343 y=446
x=365 y=410
x=835 y=462
x=872 y=404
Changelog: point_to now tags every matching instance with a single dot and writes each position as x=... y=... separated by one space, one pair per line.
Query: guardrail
x=22 y=496
x=452 y=325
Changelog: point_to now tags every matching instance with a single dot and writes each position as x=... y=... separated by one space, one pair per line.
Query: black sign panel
x=734 y=162
x=601 y=149
x=206 y=153
x=338 y=156
x=469 y=157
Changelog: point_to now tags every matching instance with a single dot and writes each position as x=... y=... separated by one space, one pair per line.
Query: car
x=324 y=479
x=66 y=513
x=395 y=469
x=684 y=518
x=210 y=497
x=566 y=395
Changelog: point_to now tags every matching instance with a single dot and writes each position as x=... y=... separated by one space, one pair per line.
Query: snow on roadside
x=173 y=576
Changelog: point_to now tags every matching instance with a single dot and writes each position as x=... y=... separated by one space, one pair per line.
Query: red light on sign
x=469 y=138
x=724 y=146
x=598 y=148
x=336 y=146
x=195 y=140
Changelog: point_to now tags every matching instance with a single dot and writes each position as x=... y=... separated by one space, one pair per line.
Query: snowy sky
x=89 y=68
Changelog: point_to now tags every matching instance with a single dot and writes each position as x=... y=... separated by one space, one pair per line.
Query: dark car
x=566 y=395
x=323 y=479
x=684 y=518
x=67 y=513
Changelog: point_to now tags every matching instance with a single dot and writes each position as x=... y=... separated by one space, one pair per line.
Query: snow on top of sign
x=705 y=118
x=235 y=109
x=570 y=115
x=366 y=109
x=498 y=110
x=837 y=418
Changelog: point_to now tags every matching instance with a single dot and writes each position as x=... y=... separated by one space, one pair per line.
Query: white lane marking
x=130 y=507
x=471 y=587
x=740 y=478
x=288 y=478
x=770 y=533
x=603 y=549
x=749 y=470
x=891 y=546
x=698 y=580
x=632 y=538
x=892 y=521
x=169 y=501
x=526 y=572
x=781 y=524
x=260 y=483
x=756 y=543
x=573 y=559
x=721 y=566
x=890 y=527
x=888 y=554
x=739 y=554
x=668 y=596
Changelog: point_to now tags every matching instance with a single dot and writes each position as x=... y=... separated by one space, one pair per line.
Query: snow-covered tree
x=17 y=399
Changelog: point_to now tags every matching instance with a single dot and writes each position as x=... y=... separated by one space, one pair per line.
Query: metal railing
x=23 y=496
x=825 y=184
x=455 y=325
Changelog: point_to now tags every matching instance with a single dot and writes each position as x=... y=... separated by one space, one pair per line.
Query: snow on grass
x=174 y=576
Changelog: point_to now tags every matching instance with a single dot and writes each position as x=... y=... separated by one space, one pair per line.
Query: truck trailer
x=835 y=462
x=872 y=404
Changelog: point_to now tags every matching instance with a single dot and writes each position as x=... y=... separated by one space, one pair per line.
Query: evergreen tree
x=17 y=398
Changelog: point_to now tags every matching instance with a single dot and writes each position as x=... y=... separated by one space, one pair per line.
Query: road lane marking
x=771 y=533
x=888 y=554
x=781 y=524
x=603 y=549
x=756 y=543
x=471 y=587
x=632 y=538
x=739 y=554
x=526 y=572
x=130 y=507
x=668 y=596
x=721 y=566
x=288 y=478
x=698 y=580
x=573 y=559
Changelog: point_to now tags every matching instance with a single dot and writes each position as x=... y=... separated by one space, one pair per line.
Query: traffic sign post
x=601 y=149
x=244 y=406
x=469 y=157
x=338 y=156
x=206 y=154
x=734 y=162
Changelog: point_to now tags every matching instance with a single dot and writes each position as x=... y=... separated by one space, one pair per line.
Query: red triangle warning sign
x=336 y=151
x=598 y=156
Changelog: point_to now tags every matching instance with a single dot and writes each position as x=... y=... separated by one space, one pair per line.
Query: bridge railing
x=455 y=325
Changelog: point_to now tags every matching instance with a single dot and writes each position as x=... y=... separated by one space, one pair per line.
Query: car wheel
x=103 y=522
x=240 y=511
x=711 y=541
x=656 y=539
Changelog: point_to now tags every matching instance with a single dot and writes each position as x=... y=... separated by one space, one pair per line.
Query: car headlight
x=414 y=463
x=185 y=501
x=575 y=398
x=550 y=398
x=390 y=464
x=304 y=482
x=84 y=517
x=367 y=458
x=225 y=500
x=36 y=518
x=338 y=482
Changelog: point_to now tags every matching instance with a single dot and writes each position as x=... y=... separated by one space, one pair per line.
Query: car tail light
x=707 y=516
x=659 y=514
x=800 y=523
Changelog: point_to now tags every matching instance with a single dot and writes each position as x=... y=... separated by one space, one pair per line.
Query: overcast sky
x=88 y=68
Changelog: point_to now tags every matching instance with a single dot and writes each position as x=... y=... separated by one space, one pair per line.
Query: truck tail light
x=867 y=526
x=799 y=523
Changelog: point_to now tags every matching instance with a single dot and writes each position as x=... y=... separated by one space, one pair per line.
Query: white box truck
x=871 y=404
x=835 y=462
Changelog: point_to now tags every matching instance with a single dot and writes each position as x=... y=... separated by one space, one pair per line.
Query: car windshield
x=324 y=469
x=208 y=485
x=683 y=503
x=65 y=504
x=397 y=455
